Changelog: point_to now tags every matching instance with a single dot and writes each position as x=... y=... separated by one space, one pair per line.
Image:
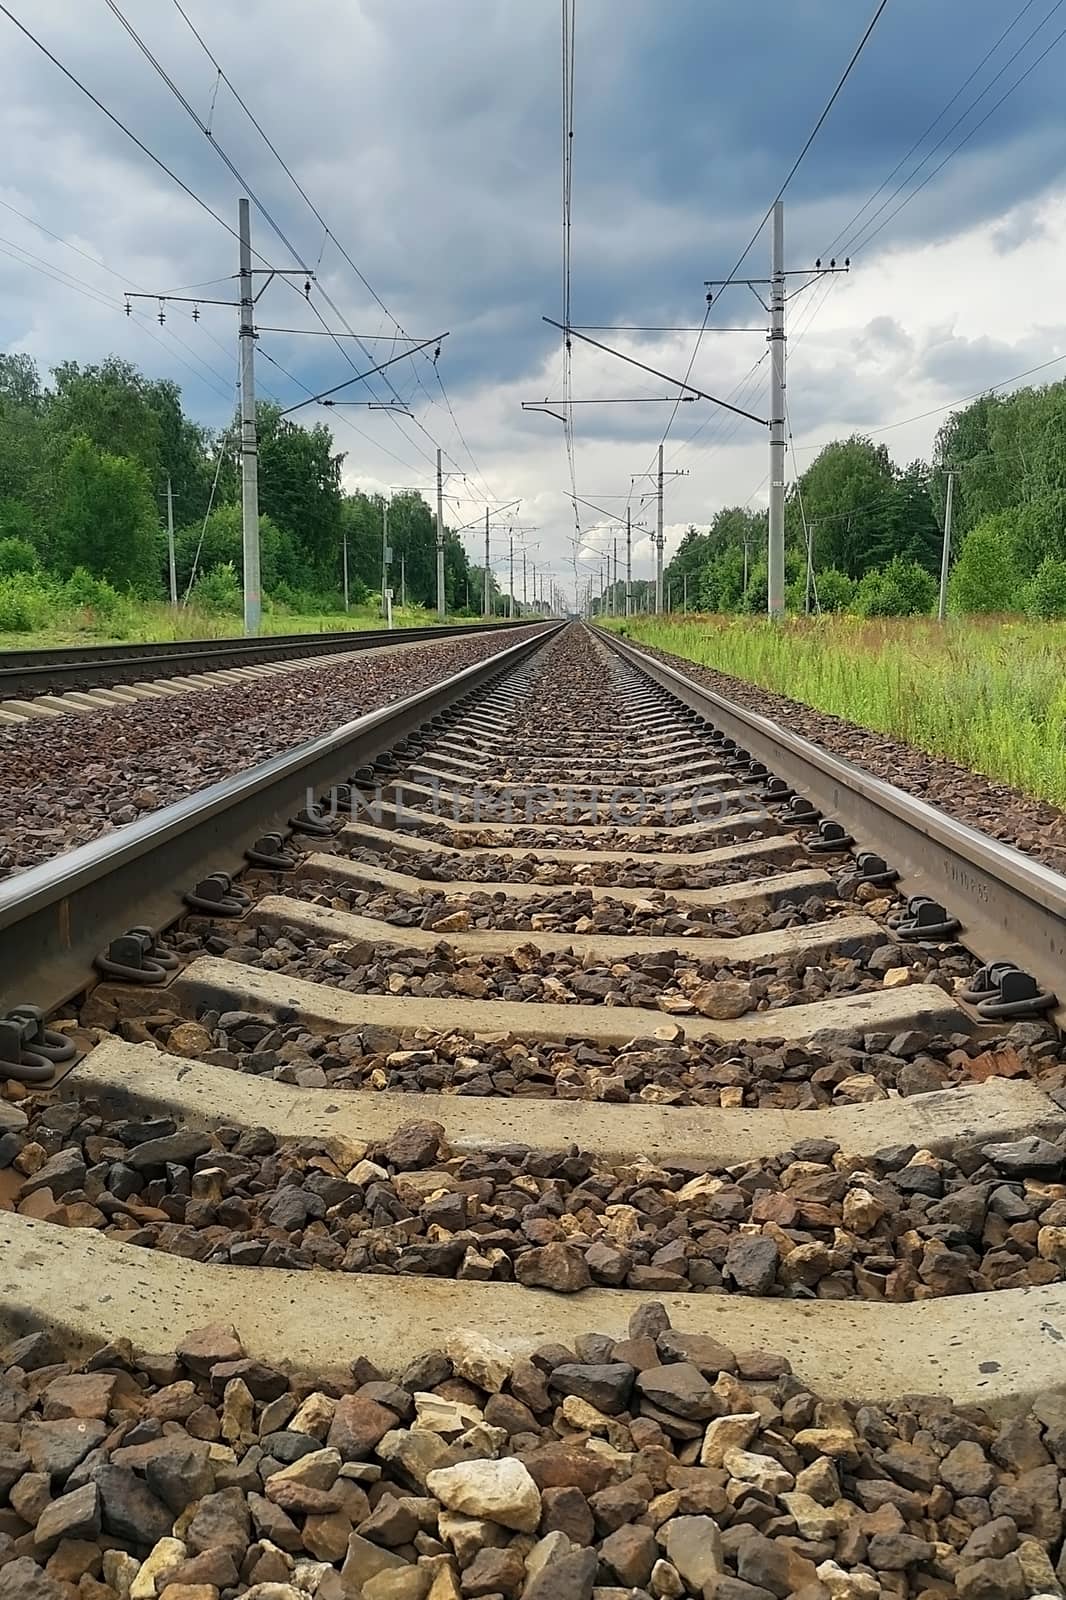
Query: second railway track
x=559 y=1003
x=47 y=682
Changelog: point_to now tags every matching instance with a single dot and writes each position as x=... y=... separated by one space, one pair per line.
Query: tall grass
x=987 y=693
x=40 y=611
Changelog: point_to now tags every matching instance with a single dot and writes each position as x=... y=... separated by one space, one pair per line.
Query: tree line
x=875 y=530
x=84 y=465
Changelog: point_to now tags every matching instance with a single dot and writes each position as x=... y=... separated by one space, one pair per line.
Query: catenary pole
x=629 y=562
x=945 y=554
x=384 y=554
x=170 y=544
x=440 y=540
x=659 y=539
x=775 y=556
x=485 y=611
x=253 y=605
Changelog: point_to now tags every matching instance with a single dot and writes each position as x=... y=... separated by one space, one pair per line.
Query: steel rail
x=1011 y=908
x=25 y=673
x=56 y=917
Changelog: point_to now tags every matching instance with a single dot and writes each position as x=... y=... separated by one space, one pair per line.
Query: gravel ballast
x=813 y=1222
x=72 y=778
x=663 y=1465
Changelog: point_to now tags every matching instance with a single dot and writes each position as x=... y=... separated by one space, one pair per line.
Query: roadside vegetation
x=989 y=693
x=876 y=529
x=85 y=461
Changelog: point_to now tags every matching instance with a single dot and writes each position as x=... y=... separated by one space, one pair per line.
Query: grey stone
x=605 y=1385
x=130 y=1510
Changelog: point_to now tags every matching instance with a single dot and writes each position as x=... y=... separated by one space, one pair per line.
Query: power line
x=67 y=280
x=846 y=229
x=110 y=115
x=118 y=276
x=861 y=243
x=569 y=21
x=124 y=127
x=797 y=163
x=936 y=411
x=330 y=235
x=232 y=167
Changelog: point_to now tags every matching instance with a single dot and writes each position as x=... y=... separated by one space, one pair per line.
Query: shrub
x=83 y=591
x=986 y=576
x=16 y=555
x=835 y=590
x=1045 y=593
x=16 y=614
x=219 y=591
x=28 y=601
x=901 y=589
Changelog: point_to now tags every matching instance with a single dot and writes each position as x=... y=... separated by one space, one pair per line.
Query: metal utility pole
x=523 y=582
x=684 y=592
x=170 y=545
x=614 y=584
x=485 y=609
x=403 y=584
x=440 y=540
x=810 y=569
x=659 y=539
x=510 y=595
x=747 y=547
x=945 y=554
x=253 y=602
x=629 y=562
x=775 y=557
x=386 y=557
x=245 y=305
x=344 y=564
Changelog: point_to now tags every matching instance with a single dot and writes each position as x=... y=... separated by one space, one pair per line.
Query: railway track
x=556 y=990
x=87 y=677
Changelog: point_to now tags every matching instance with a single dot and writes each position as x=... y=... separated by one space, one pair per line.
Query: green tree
x=851 y=495
x=106 y=519
x=986 y=576
x=111 y=406
x=23 y=445
x=220 y=541
x=184 y=454
x=300 y=488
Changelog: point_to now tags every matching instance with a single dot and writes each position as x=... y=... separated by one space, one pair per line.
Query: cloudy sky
x=428 y=135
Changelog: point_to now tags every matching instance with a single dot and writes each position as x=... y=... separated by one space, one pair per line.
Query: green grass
x=137 y=622
x=987 y=693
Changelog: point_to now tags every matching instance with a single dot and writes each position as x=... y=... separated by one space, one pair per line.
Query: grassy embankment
x=143 y=622
x=989 y=693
